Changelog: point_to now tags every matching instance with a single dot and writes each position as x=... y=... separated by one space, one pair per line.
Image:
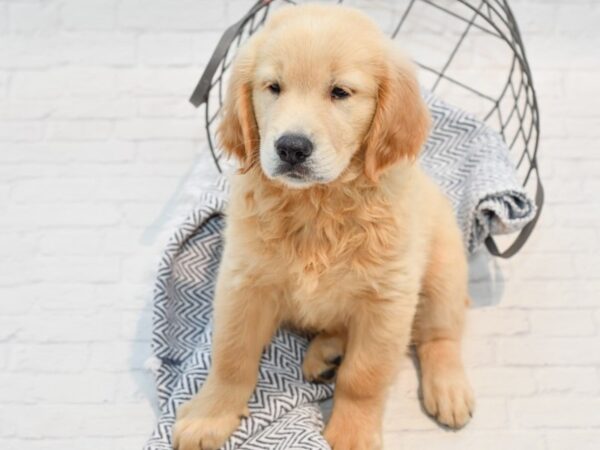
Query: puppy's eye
x=337 y=93
x=274 y=88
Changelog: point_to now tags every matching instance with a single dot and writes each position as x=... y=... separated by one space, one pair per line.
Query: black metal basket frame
x=493 y=17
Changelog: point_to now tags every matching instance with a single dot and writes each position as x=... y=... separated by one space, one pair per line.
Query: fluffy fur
x=365 y=254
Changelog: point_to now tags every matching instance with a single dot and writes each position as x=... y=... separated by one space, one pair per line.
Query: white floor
x=95 y=137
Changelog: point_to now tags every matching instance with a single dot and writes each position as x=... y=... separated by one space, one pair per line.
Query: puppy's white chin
x=295 y=183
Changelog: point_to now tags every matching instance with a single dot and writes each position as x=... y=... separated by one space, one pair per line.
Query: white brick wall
x=95 y=136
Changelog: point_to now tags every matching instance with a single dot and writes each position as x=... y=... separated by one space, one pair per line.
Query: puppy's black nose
x=293 y=148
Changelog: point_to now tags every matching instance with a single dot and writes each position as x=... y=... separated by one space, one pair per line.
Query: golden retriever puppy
x=332 y=228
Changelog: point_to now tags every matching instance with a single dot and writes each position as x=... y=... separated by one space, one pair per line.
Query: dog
x=332 y=228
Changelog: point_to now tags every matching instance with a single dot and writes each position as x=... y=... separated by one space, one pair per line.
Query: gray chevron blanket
x=471 y=164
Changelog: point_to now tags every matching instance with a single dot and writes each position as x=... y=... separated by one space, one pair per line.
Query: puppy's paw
x=448 y=397
x=195 y=431
x=349 y=434
x=323 y=357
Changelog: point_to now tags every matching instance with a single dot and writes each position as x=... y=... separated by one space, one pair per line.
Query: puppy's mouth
x=299 y=172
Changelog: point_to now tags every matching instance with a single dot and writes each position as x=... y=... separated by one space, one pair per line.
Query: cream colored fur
x=368 y=259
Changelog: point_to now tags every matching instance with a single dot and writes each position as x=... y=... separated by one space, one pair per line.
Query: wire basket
x=470 y=53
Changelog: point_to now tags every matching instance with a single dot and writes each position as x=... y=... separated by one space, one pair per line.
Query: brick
x=565 y=239
x=552 y=412
x=553 y=294
x=578 y=83
x=577 y=19
x=166 y=107
x=93 y=269
x=19 y=109
x=502 y=381
x=157 y=82
x=436 y=440
x=78 y=108
x=21 y=299
x=550 y=351
x=48 y=358
x=72 y=242
x=163 y=15
x=80 y=388
x=63 y=82
x=41 y=421
x=58 y=190
x=562 y=380
x=127 y=443
x=579 y=48
x=26 y=52
x=135 y=188
x=57 y=214
x=3 y=18
x=55 y=443
x=126 y=296
x=486 y=322
x=139 y=215
x=165 y=49
x=12 y=244
x=33 y=17
x=15 y=388
x=85 y=48
x=158 y=129
x=89 y=15
x=535 y=17
x=170 y=169
x=3 y=356
x=79 y=130
x=121 y=242
x=548 y=266
x=68 y=151
x=403 y=414
x=479 y=352
x=576 y=215
x=21 y=131
x=71 y=328
x=17 y=271
x=588 y=265
x=4 y=194
x=75 y=297
x=8 y=328
x=3 y=83
x=166 y=151
x=562 y=323
x=581 y=440
x=98 y=48
x=118 y=420
x=490 y=413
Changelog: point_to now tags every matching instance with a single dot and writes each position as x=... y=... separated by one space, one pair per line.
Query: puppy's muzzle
x=293 y=149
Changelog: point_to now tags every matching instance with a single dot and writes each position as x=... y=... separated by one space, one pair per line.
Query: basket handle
x=200 y=94
x=490 y=243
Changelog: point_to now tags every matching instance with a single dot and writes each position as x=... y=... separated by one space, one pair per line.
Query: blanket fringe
x=153 y=364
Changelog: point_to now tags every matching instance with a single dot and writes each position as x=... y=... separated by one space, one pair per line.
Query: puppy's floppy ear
x=238 y=131
x=401 y=120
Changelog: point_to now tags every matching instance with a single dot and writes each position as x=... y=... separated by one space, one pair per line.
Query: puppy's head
x=317 y=87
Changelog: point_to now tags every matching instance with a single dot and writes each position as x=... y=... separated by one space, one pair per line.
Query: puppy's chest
x=326 y=246
x=327 y=261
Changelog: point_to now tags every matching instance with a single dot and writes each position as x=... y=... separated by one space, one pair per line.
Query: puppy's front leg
x=245 y=319
x=376 y=338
